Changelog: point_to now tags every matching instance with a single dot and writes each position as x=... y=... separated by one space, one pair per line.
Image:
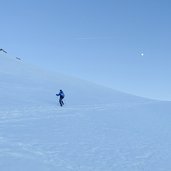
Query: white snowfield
x=98 y=129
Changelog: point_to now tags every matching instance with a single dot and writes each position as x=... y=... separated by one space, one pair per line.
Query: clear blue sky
x=97 y=40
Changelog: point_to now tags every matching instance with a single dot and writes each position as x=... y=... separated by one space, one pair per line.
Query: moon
x=142 y=54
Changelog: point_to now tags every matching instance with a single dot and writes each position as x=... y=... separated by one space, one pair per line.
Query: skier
x=61 y=96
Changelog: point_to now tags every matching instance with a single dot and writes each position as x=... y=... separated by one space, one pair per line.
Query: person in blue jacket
x=61 y=96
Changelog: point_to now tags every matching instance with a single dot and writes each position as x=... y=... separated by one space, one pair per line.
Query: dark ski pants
x=61 y=101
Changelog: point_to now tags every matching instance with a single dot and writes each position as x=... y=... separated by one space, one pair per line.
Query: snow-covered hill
x=98 y=129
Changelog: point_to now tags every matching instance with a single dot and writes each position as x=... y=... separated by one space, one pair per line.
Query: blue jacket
x=61 y=94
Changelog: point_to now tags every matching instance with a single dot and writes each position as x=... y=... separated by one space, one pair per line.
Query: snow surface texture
x=98 y=129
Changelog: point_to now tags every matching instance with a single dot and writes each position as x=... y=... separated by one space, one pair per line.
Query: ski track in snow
x=32 y=112
x=35 y=112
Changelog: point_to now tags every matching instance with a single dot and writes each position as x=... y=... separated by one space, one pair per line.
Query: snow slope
x=98 y=129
